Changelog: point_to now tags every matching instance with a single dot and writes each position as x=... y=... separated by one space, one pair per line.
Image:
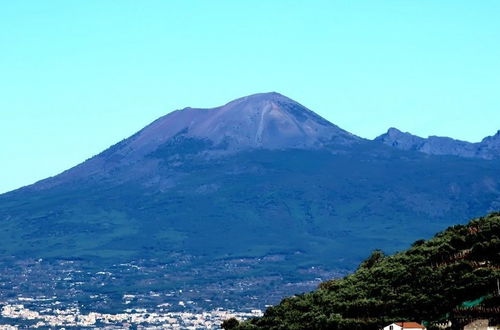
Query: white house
x=405 y=326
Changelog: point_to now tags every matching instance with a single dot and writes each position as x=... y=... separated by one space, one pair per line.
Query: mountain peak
x=489 y=147
x=393 y=131
x=493 y=138
x=269 y=121
x=267 y=96
x=264 y=121
x=254 y=99
x=257 y=102
x=402 y=140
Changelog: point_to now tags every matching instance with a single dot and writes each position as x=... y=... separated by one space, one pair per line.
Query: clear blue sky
x=78 y=76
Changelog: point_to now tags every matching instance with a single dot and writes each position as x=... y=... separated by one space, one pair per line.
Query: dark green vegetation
x=452 y=276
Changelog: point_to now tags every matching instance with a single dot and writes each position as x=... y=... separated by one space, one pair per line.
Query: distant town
x=22 y=316
x=38 y=293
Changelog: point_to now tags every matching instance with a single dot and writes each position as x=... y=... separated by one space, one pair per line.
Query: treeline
x=430 y=282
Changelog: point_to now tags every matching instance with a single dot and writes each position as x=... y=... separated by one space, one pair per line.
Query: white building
x=405 y=326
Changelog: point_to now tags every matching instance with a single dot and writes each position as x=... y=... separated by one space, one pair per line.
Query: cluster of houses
x=405 y=326
x=474 y=325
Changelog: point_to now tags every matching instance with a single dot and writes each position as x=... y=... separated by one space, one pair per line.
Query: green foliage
x=231 y=323
x=374 y=258
x=425 y=282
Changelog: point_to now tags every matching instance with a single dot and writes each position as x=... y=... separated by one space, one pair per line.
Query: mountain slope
x=292 y=195
x=188 y=202
x=267 y=121
x=451 y=277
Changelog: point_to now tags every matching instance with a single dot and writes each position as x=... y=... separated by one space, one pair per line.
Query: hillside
x=452 y=276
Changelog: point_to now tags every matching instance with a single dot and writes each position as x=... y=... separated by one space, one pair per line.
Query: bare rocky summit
x=264 y=121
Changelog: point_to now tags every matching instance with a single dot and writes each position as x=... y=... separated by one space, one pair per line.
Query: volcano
x=261 y=181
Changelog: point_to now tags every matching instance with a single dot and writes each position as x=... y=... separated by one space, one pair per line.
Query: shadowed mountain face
x=261 y=178
x=488 y=148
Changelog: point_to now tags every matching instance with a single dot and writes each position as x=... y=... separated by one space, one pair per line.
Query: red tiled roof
x=412 y=325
